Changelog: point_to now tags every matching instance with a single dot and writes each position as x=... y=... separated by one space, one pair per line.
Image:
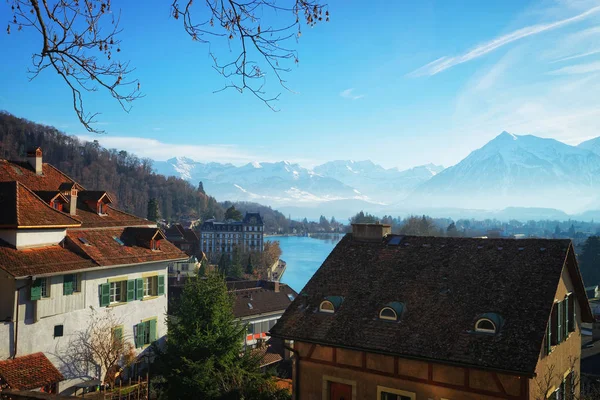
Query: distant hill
x=592 y=145
x=128 y=177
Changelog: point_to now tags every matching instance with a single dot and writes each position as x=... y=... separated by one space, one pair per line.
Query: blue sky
x=400 y=83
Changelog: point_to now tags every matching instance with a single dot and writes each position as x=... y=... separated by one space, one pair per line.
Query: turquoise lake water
x=303 y=255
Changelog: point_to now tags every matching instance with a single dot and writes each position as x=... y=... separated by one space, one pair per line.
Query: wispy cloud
x=160 y=151
x=157 y=129
x=577 y=69
x=349 y=94
x=573 y=57
x=443 y=63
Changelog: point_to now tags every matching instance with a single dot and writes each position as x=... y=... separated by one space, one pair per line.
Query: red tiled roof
x=106 y=251
x=90 y=219
x=29 y=372
x=51 y=178
x=267 y=357
x=261 y=295
x=21 y=208
x=40 y=261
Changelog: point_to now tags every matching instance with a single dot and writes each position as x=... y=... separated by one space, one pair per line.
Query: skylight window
x=388 y=313
x=489 y=323
x=118 y=241
x=485 y=325
x=392 y=311
x=84 y=241
x=250 y=306
x=327 y=307
x=291 y=297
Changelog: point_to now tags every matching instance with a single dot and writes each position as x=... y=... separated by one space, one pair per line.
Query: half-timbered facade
x=391 y=317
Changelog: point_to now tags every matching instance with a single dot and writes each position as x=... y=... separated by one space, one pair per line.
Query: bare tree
x=103 y=344
x=79 y=39
x=573 y=390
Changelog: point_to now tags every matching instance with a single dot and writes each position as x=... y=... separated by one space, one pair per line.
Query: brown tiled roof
x=445 y=284
x=190 y=235
x=90 y=219
x=106 y=251
x=50 y=195
x=51 y=179
x=93 y=195
x=29 y=372
x=40 y=261
x=22 y=208
x=267 y=357
x=261 y=295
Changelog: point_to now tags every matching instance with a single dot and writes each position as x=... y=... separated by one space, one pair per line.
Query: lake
x=303 y=256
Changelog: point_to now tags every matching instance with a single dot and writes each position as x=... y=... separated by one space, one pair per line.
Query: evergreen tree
x=232 y=213
x=204 y=357
x=203 y=267
x=249 y=266
x=589 y=261
x=557 y=230
x=451 y=231
x=153 y=212
x=572 y=231
x=224 y=264
x=201 y=188
x=236 y=269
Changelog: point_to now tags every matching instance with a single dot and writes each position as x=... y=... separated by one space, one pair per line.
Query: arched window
x=392 y=311
x=485 y=325
x=388 y=313
x=327 y=307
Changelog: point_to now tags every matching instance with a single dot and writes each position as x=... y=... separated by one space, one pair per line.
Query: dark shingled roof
x=262 y=295
x=93 y=195
x=29 y=372
x=445 y=284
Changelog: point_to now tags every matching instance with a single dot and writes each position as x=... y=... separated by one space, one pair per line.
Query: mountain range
x=510 y=171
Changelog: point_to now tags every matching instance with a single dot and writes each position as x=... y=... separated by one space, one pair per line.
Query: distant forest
x=128 y=178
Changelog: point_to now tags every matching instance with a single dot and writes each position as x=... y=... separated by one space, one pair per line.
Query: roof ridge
x=17 y=202
x=43 y=202
x=131 y=215
x=65 y=175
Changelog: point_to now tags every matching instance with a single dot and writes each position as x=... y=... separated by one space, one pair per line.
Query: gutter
x=411 y=357
x=100 y=267
x=296 y=377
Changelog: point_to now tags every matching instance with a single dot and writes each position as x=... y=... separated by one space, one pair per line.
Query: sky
x=400 y=83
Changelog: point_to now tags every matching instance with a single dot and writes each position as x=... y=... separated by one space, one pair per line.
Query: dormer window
x=155 y=244
x=488 y=323
x=56 y=205
x=330 y=304
x=101 y=208
x=327 y=307
x=392 y=311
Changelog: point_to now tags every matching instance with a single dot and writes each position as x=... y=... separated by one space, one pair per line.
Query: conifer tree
x=153 y=212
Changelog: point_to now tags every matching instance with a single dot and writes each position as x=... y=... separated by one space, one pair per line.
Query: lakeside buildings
x=63 y=251
x=392 y=317
x=223 y=237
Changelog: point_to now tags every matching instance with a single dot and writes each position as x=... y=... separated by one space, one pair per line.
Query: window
x=388 y=313
x=116 y=239
x=290 y=296
x=155 y=245
x=384 y=393
x=145 y=332
x=101 y=208
x=58 y=330
x=71 y=284
x=562 y=321
x=45 y=287
x=150 y=286
x=326 y=307
x=118 y=292
x=485 y=325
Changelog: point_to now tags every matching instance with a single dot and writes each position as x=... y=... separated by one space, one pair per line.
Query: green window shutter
x=567 y=317
x=152 y=327
x=139 y=334
x=554 y=324
x=118 y=334
x=572 y=314
x=559 y=319
x=36 y=289
x=104 y=294
x=68 y=284
x=139 y=288
x=161 y=285
x=130 y=290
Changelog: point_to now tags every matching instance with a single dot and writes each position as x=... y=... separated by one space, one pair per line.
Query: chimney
x=34 y=158
x=276 y=286
x=370 y=232
x=73 y=202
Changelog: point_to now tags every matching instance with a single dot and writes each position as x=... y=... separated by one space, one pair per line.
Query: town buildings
x=405 y=318
x=185 y=239
x=223 y=237
x=64 y=252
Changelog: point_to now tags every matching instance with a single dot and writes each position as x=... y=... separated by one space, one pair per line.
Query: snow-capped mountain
x=592 y=145
x=509 y=171
x=389 y=185
x=521 y=171
x=269 y=183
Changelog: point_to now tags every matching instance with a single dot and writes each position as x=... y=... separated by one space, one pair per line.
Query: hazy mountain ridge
x=519 y=171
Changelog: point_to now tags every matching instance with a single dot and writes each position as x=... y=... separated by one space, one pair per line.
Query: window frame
x=150 y=286
x=485 y=330
x=326 y=310
x=399 y=392
x=327 y=379
x=122 y=292
x=388 y=318
x=45 y=288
